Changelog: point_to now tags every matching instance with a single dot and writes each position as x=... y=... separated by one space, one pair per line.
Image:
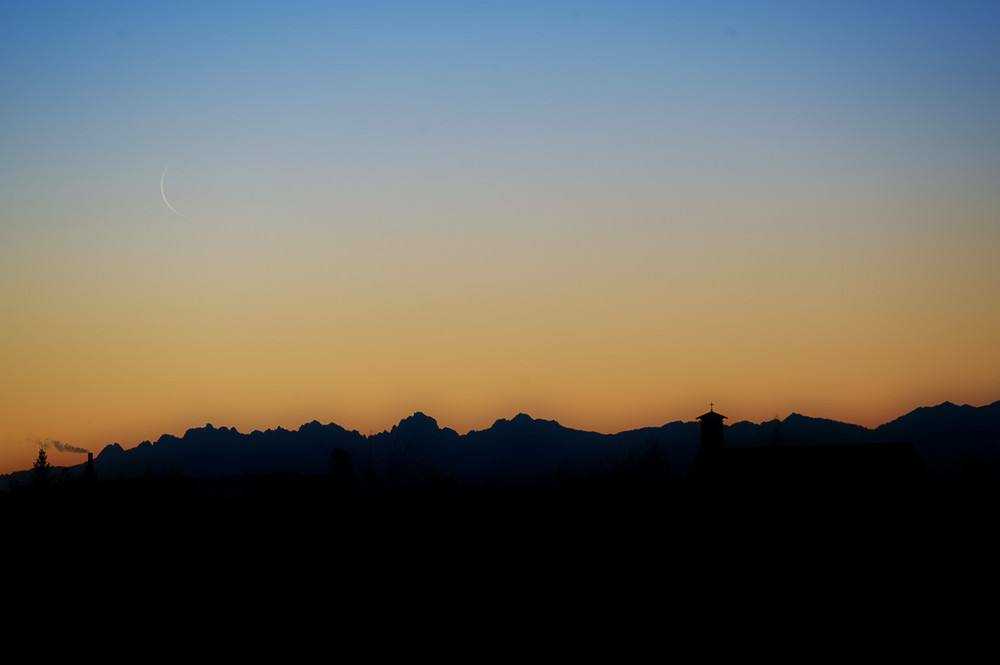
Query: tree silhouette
x=341 y=469
x=41 y=471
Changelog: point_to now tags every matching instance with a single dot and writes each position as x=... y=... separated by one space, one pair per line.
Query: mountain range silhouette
x=526 y=508
x=523 y=450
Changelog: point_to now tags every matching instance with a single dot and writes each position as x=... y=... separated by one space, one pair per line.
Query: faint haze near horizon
x=606 y=214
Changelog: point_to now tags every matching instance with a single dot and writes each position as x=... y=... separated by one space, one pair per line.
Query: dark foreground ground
x=267 y=520
x=175 y=554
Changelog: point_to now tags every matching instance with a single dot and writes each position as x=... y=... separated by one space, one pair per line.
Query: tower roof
x=711 y=415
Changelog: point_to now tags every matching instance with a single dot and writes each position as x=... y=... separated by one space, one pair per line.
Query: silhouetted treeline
x=520 y=476
x=604 y=542
x=641 y=486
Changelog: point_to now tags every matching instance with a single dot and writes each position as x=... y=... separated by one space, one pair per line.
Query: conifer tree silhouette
x=41 y=471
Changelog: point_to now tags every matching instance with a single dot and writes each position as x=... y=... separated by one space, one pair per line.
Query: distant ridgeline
x=523 y=451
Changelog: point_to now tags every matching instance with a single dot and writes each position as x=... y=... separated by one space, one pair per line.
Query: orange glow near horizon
x=595 y=354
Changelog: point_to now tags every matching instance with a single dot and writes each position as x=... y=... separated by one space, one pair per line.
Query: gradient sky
x=603 y=213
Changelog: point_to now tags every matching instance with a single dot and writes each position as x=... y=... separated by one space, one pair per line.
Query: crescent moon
x=164 y=194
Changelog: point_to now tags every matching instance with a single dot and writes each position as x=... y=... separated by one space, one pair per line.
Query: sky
x=608 y=214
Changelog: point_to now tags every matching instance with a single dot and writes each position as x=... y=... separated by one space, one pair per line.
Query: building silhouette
x=712 y=430
x=802 y=468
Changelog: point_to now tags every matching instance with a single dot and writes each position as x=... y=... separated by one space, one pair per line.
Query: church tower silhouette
x=711 y=430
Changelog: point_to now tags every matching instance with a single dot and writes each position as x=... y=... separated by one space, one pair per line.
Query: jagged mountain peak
x=523 y=446
x=523 y=420
x=419 y=420
x=419 y=417
x=419 y=425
